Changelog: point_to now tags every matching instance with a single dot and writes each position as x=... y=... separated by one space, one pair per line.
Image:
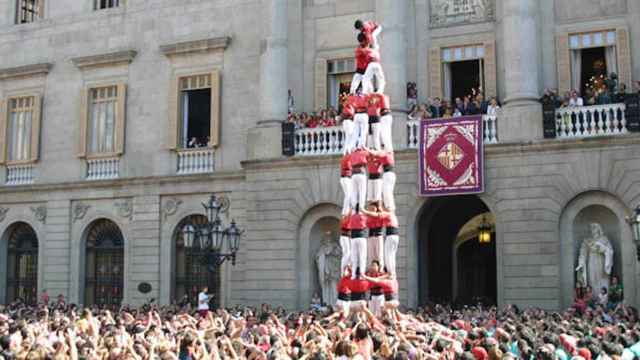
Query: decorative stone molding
x=3 y=213
x=124 y=57
x=454 y=12
x=79 y=211
x=25 y=70
x=203 y=45
x=40 y=212
x=124 y=208
x=171 y=207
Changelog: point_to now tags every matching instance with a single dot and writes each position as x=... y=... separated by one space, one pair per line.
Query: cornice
x=109 y=59
x=25 y=70
x=202 y=45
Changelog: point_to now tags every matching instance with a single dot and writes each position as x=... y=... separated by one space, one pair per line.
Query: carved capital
x=171 y=206
x=40 y=212
x=3 y=213
x=79 y=211
x=124 y=208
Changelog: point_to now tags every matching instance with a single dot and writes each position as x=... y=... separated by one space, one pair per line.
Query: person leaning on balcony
x=575 y=99
x=621 y=94
x=492 y=109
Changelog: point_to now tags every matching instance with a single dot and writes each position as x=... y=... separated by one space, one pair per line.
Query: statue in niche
x=328 y=265
x=595 y=260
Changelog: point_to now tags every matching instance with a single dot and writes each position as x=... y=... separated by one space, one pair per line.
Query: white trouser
x=375 y=142
x=347 y=186
x=348 y=141
x=358 y=256
x=376 y=304
x=374 y=189
x=344 y=306
x=358 y=190
x=355 y=83
x=388 y=184
x=374 y=69
x=361 y=130
x=375 y=249
x=386 y=137
x=390 y=251
x=345 y=244
x=374 y=35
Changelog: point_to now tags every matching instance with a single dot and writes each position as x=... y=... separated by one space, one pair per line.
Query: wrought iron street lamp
x=211 y=236
x=634 y=222
x=484 y=232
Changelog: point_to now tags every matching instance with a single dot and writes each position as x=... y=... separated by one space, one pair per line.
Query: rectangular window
x=29 y=11
x=340 y=73
x=195 y=111
x=102 y=124
x=21 y=114
x=106 y=4
x=103 y=112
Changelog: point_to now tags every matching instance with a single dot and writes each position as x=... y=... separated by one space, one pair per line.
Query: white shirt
x=492 y=110
x=203 y=301
x=576 y=102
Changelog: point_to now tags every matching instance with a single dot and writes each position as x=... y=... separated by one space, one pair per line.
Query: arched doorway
x=104 y=264
x=453 y=265
x=22 y=264
x=191 y=272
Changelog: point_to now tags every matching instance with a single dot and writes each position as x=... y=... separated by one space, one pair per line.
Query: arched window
x=104 y=264
x=22 y=264
x=191 y=270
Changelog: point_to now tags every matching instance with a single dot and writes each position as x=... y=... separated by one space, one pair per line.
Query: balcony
x=19 y=174
x=591 y=121
x=103 y=168
x=490 y=134
x=195 y=161
x=319 y=141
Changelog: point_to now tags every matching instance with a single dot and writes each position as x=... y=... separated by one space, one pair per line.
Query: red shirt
x=390 y=220
x=359 y=158
x=328 y=122
x=374 y=222
x=373 y=104
x=374 y=164
x=367 y=29
x=359 y=285
x=362 y=59
x=344 y=285
x=344 y=223
x=345 y=166
x=387 y=159
x=389 y=286
x=312 y=123
x=359 y=102
x=347 y=111
x=383 y=100
x=358 y=221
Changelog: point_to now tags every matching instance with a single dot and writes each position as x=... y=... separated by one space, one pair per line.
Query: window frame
x=119 y=126
x=175 y=118
x=36 y=128
x=18 y=12
x=96 y=4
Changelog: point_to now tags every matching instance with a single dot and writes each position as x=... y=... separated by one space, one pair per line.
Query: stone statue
x=595 y=260
x=328 y=264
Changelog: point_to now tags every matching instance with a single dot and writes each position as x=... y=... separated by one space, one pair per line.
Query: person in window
x=590 y=98
x=575 y=99
x=447 y=113
x=458 y=104
x=604 y=96
x=483 y=103
x=492 y=109
x=193 y=143
x=473 y=107
x=456 y=113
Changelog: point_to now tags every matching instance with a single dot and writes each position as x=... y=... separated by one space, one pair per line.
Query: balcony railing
x=103 y=168
x=490 y=123
x=195 y=161
x=19 y=174
x=319 y=141
x=591 y=121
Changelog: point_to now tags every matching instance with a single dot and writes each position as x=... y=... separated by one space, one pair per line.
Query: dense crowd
x=432 y=332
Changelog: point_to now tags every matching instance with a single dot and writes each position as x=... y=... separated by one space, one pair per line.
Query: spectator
x=616 y=292
x=603 y=298
x=492 y=109
x=472 y=106
x=412 y=95
x=621 y=94
x=44 y=298
x=550 y=97
x=436 y=108
x=483 y=103
x=575 y=99
x=457 y=112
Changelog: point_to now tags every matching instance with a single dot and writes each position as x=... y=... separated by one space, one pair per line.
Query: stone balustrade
x=319 y=141
x=195 y=161
x=490 y=133
x=103 y=168
x=19 y=174
x=590 y=121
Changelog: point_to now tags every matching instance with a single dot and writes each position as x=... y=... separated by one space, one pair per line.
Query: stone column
x=393 y=50
x=264 y=140
x=522 y=114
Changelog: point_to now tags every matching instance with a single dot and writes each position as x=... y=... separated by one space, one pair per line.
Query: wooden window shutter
x=215 y=127
x=321 y=83
x=35 y=127
x=174 y=109
x=121 y=118
x=84 y=114
x=435 y=72
x=3 y=131
x=624 y=57
x=490 y=69
x=564 y=63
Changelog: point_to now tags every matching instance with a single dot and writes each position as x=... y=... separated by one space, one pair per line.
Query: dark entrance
x=191 y=270
x=22 y=265
x=465 y=75
x=104 y=264
x=594 y=69
x=438 y=226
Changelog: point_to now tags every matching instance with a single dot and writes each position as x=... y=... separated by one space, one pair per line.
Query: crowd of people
x=474 y=104
x=429 y=332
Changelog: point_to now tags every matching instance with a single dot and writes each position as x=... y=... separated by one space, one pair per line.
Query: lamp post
x=634 y=222
x=484 y=232
x=211 y=236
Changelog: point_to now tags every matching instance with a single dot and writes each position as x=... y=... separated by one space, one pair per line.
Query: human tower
x=369 y=227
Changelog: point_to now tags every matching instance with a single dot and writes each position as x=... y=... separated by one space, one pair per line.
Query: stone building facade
x=541 y=192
